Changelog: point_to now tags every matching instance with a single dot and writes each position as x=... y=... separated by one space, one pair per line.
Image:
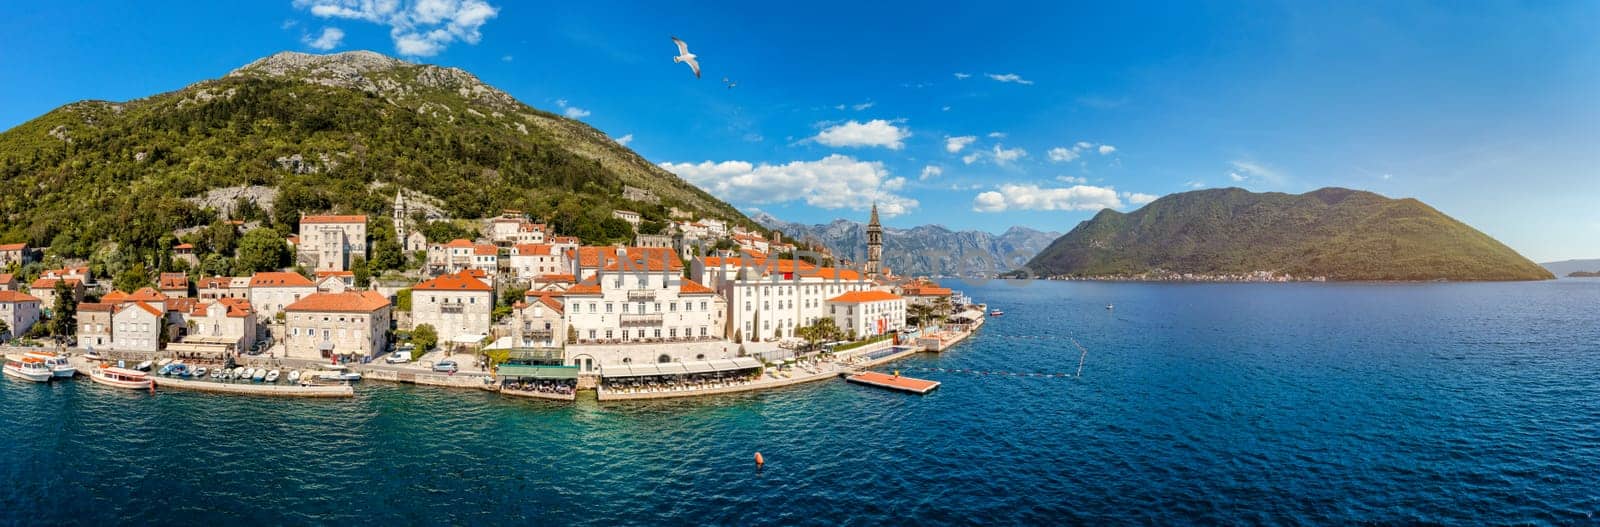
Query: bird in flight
x=730 y=84
x=686 y=57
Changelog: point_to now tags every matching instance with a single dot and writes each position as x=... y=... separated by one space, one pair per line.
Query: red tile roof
x=280 y=279
x=333 y=219
x=556 y=278
x=856 y=297
x=830 y=273
x=183 y=246
x=691 y=287
x=485 y=250
x=237 y=307
x=14 y=296
x=146 y=294
x=147 y=308
x=453 y=282
x=346 y=302
x=13 y=247
x=114 y=297
x=96 y=307
x=547 y=298
x=459 y=243
x=6 y=278
x=590 y=286
x=50 y=283
x=327 y=273
x=533 y=249
x=173 y=281
x=925 y=288
x=214 y=282
x=631 y=259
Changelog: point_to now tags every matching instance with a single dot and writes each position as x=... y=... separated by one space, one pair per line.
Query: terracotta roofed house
x=19 y=311
x=271 y=292
x=455 y=305
x=349 y=324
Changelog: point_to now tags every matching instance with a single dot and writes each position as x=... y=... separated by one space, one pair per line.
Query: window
x=608 y=307
x=591 y=334
x=608 y=333
x=664 y=358
x=702 y=331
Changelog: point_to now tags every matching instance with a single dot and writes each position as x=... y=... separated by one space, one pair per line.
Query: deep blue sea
x=1462 y=404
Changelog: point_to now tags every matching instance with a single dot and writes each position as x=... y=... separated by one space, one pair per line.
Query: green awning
x=536 y=372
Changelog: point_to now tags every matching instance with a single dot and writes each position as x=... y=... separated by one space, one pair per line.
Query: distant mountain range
x=925 y=250
x=1336 y=233
x=1566 y=267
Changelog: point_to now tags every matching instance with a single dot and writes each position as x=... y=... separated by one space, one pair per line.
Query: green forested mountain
x=331 y=133
x=1337 y=233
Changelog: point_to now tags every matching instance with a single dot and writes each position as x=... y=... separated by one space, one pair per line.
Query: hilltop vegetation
x=1336 y=233
x=338 y=133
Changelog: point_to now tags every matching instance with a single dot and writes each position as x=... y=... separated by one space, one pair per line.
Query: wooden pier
x=893 y=382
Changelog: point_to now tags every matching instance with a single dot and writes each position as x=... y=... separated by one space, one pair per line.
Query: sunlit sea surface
x=1462 y=404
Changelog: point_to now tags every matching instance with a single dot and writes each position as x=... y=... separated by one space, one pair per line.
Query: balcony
x=641 y=319
x=450 y=309
x=641 y=295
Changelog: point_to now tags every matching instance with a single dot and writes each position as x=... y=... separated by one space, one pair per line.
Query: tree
x=5 y=331
x=652 y=227
x=572 y=335
x=424 y=337
x=131 y=279
x=362 y=272
x=261 y=250
x=387 y=255
x=216 y=265
x=64 y=315
x=402 y=300
x=920 y=313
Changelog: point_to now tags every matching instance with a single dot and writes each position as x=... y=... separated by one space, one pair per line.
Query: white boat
x=218 y=372
x=58 y=364
x=237 y=373
x=200 y=372
x=28 y=368
x=121 y=378
x=272 y=376
x=1109 y=307
x=338 y=375
x=248 y=373
x=93 y=355
x=259 y=375
x=294 y=376
x=144 y=366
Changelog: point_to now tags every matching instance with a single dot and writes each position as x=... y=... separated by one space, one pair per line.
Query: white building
x=232 y=319
x=450 y=257
x=863 y=314
x=538 y=322
x=769 y=298
x=137 y=326
x=350 y=324
x=271 y=292
x=330 y=242
x=486 y=258
x=532 y=260
x=454 y=304
x=641 y=317
x=584 y=262
x=19 y=311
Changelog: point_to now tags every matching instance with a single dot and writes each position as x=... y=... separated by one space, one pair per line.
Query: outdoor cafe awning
x=536 y=372
x=611 y=371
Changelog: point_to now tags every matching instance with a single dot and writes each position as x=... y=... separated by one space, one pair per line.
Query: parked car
x=445 y=366
x=398 y=358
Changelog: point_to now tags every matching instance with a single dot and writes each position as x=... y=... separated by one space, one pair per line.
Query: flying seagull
x=685 y=56
x=730 y=84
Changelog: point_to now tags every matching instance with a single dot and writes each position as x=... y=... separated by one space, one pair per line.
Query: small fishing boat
x=237 y=373
x=272 y=376
x=58 y=364
x=248 y=373
x=200 y=372
x=294 y=376
x=1110 y=307
x=183 y=370
x=28 y=368
x=144 y=366
x=996 y=313
x=166 y=369
x=216 y=374
x=338 y=373
x=93 y=355
x=259 y=375
x=121 y=378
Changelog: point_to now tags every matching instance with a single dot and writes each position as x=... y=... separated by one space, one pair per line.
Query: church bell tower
x=874 y=245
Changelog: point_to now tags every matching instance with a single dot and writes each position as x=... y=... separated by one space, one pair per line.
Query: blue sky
x=977 y=116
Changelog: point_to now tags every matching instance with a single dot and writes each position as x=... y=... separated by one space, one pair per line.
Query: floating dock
x=893 y=382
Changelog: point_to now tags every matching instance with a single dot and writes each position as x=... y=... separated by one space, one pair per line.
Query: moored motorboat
x=58 y=364
x=121 y=378
x=294 y=376
x=996 y=313
x=200 y=372
x=272 y=376
x=248 y=373
x=28 y=368
x=144 y=366
x=216 y=374
x=259 y=375
x=236 y=373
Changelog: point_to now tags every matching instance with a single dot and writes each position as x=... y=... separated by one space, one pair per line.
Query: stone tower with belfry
x=874 y=245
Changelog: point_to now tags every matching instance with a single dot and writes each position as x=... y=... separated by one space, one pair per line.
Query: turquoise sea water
x=1461 y=404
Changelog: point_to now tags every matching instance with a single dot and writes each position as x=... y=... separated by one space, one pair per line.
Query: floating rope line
x=995 y=373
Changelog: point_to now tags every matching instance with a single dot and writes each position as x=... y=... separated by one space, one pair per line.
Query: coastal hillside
x=1336 y=233
x=926 y=249
x=1567 y=267
x=316 y=133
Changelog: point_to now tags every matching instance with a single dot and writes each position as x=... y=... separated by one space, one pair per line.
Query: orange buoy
x=759 y=460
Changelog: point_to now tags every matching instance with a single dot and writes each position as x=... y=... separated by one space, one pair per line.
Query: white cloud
x=955 y=144
x=960 y=75
x=997 y=135
x=330 y=38
x=1062 y=154
x=1003 y=155
x=1139 y=198
x=1072 y=180
x=624 y=140
x=507 y=58
x=834 y=182
x=1107 y=149
x=1195 y=184
x=1034 y=197
x=1009 y=77
x=1386 y=177
x=1243 y=170
x=971 y=158
x=571 y=111
x=929 y=172
x=1083 y=145
x=944 y=108
x=863 y=106
x=420 y=28
x=289 y=23
x=876 y=132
